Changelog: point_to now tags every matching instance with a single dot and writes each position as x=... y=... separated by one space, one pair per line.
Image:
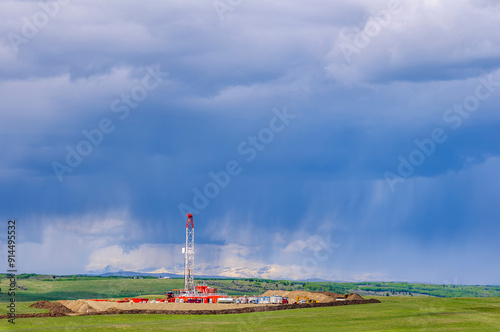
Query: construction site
x=198 y=298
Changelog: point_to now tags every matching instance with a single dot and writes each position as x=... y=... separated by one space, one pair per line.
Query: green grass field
x=393 y=314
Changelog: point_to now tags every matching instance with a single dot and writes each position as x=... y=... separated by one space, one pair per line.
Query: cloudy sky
x=342 y=140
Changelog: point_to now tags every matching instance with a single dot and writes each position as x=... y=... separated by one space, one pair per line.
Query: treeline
x=394 y=288
x=49 y=277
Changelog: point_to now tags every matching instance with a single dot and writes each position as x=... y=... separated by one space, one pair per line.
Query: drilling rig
x=192 y=293
x=189 y=254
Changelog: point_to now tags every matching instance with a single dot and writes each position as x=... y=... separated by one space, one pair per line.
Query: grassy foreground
x=393 y=314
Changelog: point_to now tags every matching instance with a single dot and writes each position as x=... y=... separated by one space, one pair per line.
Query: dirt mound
x=74 y=306
x=333 y=295
x=41 y=305
x=54 y=307
x=354 y=297
x=86 y=308
x=292 y=295
x=321 y=297
x=113 y=311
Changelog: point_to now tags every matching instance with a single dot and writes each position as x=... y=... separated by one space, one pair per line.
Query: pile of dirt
x=333 y=295
x=79 y=306
x=86 y=308
x=54 y=307
x=113 y=311
x=292 y=295
x=321 y=297
x=354 y=297
x=40 y=305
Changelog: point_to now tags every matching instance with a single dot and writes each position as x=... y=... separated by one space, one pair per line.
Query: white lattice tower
x=189 y=254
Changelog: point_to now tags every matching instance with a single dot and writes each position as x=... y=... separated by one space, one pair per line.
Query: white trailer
x=276 y=299
x=226 y=300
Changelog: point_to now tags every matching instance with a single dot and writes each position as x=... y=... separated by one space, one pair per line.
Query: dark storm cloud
x=221 y=79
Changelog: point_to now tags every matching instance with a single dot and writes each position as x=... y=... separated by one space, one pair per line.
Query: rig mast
x=189 y=254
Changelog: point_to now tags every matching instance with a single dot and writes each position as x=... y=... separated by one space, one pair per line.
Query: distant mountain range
x=138 y=274
x=109 y=271
x=207 y=271
x=171 y=275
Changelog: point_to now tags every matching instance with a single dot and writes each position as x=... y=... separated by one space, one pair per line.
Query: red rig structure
x=192 y=293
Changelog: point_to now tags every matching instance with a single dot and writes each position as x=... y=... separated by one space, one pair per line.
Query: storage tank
x=225 y=300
